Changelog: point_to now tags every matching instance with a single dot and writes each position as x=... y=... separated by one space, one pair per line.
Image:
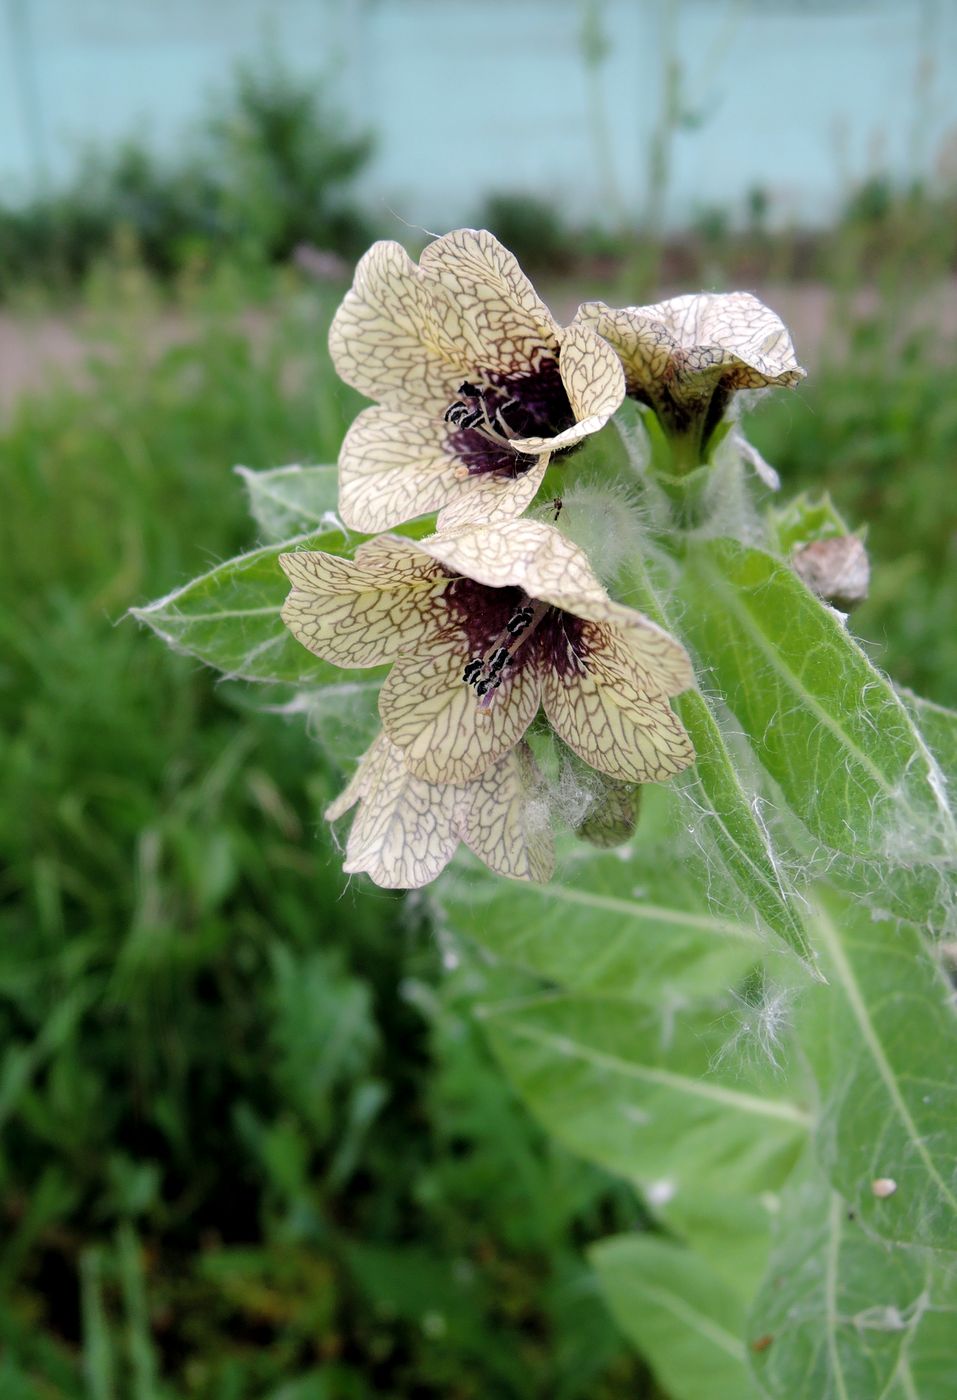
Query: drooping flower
x=687 y=356
x=476 y=384
x=482 y=626
x=407 y=829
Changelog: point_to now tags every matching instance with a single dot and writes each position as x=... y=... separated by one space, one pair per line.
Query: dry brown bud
x=837 y=570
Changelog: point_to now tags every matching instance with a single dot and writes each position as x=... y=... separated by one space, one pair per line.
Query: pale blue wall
x=799 y=96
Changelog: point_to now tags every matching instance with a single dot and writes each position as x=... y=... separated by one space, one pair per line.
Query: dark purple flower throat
x=505 y=630
x=488 y=414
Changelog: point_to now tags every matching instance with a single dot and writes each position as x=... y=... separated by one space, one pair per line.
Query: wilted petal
x=762 y=468
x=686 y=356
x=362 y=781
x=637 y=740
x=595 y=383
x=504 y=820
x=405 y=831
x=445 y=735
x=356 y=614
x=756 y=344
x=483 y=302
x=381 y=339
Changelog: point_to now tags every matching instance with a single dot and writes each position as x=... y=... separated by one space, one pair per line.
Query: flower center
x=504 y=630
x=485 y=673
x=487 y=416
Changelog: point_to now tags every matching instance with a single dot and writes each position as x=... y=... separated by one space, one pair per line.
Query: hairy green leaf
x=627 y=923
x=643 y=1092
x=921 y=895
x=731 y=1234
x=938 y=725
x=679 y=1314
x=841 y=1316
x=882 y=1041
x=727 y=814
x=291 y=500
x=229 y=619
x=826 y=724
x=728 y=818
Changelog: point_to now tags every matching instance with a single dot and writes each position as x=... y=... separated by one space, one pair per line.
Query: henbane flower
x=476 y=384
x=484 y=625
x=407 y=829
x=687 y=356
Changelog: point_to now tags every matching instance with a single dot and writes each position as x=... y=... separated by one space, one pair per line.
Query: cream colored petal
x=503 y=819
x=536 y=557
x=363 y=779
x=691 y=343
x=630 y=650
x=483 y=302
x=436 y=719
x=657 y=367
x=627 y=644
x=595 y=384
x=395 y=466
x=381 y=339
x=639 y=741
x=354 y=615
x=405 y=831
x=488 y=499
x=524 y=554
x=646 y=346
x=396 y=554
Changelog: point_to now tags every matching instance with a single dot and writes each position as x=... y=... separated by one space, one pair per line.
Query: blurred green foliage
x=881 y=229
x=270 y=168
x=877 y=426
x=273 y=168
x=252 y=1144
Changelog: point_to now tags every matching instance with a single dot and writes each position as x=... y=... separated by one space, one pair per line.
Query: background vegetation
x=253 y=1144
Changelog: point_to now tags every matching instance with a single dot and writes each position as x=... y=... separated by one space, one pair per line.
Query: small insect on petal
x=883 y=1187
